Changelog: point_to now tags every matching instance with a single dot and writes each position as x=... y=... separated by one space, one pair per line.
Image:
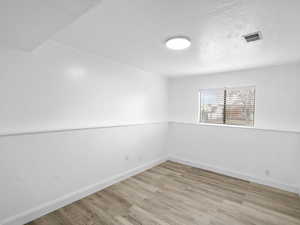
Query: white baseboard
x=242 y=176
x=51 y=206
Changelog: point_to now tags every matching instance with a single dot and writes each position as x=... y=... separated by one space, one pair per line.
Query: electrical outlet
x=267 y=172
x=126 y=157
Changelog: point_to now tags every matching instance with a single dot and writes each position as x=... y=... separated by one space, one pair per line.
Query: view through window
x=233 y=106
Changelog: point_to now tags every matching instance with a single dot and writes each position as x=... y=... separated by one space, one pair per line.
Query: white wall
x=277 y=95
x=238 y=152
x=42 y=172
x=56 y=87
x=242 y=152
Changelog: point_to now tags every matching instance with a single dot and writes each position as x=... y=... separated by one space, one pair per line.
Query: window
x=233 y=106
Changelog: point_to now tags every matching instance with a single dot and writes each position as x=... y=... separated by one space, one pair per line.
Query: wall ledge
x=235 y=127
x=35 y=132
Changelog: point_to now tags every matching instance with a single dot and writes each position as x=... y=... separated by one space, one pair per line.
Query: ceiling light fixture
x=178 y=43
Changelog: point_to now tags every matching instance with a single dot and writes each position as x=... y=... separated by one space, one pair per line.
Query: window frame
x=224 y=89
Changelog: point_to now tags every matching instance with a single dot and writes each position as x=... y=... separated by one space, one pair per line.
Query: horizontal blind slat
x=240 y=106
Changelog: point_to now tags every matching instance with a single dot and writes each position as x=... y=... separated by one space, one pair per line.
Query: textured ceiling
x=25 y=24
x=133 y=32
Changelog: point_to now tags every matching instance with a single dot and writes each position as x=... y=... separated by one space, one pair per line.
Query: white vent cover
x=253 y=36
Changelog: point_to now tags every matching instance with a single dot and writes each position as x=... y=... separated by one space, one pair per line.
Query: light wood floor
x=175 y=194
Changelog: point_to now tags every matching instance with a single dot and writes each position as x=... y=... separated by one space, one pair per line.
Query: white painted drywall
x=42 y=171
x=238 y=152
x=26 y=24
x=277 y=95
x=242 y=152
x=56 y=87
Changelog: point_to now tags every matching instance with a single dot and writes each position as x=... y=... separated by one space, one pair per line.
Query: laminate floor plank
x=176 y=194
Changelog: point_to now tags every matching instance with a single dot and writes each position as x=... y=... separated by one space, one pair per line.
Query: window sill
x=226 y=125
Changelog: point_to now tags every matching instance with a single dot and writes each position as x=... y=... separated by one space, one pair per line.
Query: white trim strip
x=75 y=129
x=234 y=126
x=137 y=124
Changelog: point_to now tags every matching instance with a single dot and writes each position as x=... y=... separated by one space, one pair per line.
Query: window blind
x=212 y=106
x=240 y=106
x=234 y=106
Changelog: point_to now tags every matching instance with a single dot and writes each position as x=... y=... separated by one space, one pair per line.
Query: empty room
x=142 y=112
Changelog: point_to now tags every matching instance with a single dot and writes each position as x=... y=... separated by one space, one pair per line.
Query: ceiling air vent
x=253 y=36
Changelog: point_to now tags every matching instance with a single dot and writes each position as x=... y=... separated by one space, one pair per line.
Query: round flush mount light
x=178 y=43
